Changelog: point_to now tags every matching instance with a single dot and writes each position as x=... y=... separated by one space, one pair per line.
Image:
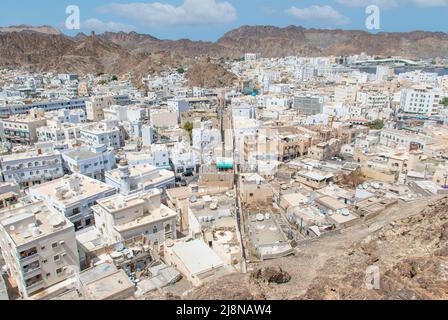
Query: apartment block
x=120 y=218
x=22 y=129
x=95 y=107
x=91 y=161
x=32 y=167
x=73 y=197
x=38 y=245
x=105 y=132
x=133 y=179
x=308 y=105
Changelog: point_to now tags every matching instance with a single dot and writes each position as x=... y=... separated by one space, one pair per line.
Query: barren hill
x=208 y=74
x=408 y=243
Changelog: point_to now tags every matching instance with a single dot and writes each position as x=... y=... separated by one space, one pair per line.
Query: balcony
x=31 y=270
x=35 y=286
x=28 y=256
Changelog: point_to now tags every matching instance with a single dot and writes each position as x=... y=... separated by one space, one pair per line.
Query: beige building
x=95 y=107
x=120 y=218
x=253 y=189
x=38 y=245
x=22 y=129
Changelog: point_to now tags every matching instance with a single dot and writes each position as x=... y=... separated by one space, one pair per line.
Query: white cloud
x=100 y=26
x=388 y=4
x=190 y=12
x=323 y=14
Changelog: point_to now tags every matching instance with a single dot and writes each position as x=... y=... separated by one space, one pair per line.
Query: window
x=54 y=245
x=57 y=258
x=59 y=271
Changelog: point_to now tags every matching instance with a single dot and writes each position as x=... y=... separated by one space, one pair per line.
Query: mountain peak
x=26 y=28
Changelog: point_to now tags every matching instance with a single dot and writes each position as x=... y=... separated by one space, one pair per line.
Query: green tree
x=377 y=124
x=114 y=78
x=180 y=70
x=188 y=126
x=444 y=101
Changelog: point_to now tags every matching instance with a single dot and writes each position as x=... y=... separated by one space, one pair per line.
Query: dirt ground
x=310 y=262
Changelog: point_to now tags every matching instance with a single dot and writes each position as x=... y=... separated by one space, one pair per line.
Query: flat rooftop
x=17 y=220
x=197 y=256
x=63 y=191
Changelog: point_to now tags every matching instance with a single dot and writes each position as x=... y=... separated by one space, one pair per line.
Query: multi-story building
x=422 y=100
x=73 y=196
x=120 y=218
x=32 y=167
x=95 y=107
x=156 y=155
x=134 y=179
x=91 y=161
x=38 y=246
x=308 y=105
x=22 y=129
x=206 y=136
x=58 y=132
x=9 y=110
x=104 y=132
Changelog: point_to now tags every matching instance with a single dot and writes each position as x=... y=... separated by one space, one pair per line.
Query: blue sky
x=210 y=19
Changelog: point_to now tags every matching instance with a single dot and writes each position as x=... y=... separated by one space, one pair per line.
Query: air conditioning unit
x=61 y=243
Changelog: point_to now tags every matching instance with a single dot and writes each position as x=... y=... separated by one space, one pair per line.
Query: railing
x=35 y=286
x=31 y=272
x=29 y=259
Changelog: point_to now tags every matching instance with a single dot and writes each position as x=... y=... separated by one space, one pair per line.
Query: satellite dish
x=12 y=228
x=56 y=220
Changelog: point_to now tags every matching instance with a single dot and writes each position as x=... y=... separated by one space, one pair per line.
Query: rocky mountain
x=45 y=48
x=207 y=74
x=39 y=29
x=82 y=54
x=273 y=41
x=295 y=40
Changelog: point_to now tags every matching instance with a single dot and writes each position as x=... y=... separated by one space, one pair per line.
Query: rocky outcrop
x=209 y=75
x=411 y=255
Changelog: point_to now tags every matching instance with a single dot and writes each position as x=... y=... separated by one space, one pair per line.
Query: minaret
x=125 y=185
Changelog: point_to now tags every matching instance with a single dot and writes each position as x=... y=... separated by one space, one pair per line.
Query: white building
x=73 y=196
x=206 y=136
x=104 y=132
x=91 y=161
x=422 y=100
x=38 y=246
x=124 y=113
x=59 y=132
x=32 y=167
x=156 y=155
x=133 y=179
x=120 y=218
